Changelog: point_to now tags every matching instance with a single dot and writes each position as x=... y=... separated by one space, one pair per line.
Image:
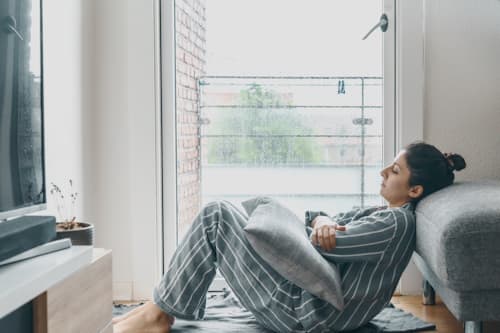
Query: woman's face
x=395 y=186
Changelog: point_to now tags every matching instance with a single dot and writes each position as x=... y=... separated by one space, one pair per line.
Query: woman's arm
x=364 y=239
x=340 y=218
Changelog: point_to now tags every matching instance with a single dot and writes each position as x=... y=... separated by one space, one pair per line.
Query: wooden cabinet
x=81 y=303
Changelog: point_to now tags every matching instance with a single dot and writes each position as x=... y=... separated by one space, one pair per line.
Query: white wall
x=463 y=82
x=462 y=90
x=100 y=111
x=125 y=177
x=111 y=202
x=63 y=97
x=145 y=163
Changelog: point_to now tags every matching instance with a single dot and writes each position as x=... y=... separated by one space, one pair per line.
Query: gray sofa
x=458 y=250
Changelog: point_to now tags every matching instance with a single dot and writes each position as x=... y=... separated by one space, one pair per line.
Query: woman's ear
x=416 y=191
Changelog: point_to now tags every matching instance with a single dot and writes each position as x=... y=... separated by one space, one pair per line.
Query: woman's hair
x=430 y=168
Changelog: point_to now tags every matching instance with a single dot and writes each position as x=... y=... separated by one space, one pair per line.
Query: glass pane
x=264 y=136
x=268 y=106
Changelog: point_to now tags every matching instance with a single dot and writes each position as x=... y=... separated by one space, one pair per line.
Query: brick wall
x=190 y=65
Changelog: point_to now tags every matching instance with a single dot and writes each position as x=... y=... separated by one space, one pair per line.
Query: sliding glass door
x=276 y=98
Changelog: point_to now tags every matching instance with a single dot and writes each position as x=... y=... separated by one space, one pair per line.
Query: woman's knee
x=219 y=205
x=218 y=209
x=226 y=212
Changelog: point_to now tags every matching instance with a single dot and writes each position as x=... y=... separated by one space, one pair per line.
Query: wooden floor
x=437 y=314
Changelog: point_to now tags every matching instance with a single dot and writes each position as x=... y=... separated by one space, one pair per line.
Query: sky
x=293 y=37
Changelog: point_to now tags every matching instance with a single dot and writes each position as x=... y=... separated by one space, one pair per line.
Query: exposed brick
x=190 y=64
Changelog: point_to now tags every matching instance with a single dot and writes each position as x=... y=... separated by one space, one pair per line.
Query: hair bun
x=455 y=161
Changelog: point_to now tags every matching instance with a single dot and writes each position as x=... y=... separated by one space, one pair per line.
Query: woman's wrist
x=320 y=221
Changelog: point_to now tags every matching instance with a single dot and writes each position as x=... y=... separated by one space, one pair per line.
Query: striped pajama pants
x=216 y=240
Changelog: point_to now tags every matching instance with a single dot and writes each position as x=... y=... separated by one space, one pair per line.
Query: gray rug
x=224 y=315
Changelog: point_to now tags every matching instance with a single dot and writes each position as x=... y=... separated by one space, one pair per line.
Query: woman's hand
x=324 y=231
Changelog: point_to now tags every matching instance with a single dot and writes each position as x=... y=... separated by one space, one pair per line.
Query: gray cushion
x=458 y=233
x=280 y=238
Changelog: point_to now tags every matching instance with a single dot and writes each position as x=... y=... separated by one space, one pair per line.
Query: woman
x=372 y=247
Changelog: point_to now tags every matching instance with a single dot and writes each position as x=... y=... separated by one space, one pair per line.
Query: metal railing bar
x=275 y=77
x=230 y=84
x=293 y=106
x=284 y=136
x=290 y=165
x=307 y=195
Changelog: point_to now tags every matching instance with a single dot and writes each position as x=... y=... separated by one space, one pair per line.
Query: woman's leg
x=182 y=290
x=216 y=239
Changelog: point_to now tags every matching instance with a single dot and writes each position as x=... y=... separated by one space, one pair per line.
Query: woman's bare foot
x=126 y=315
x=148 y=318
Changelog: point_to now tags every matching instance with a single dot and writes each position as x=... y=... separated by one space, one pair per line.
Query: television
x=22 y=166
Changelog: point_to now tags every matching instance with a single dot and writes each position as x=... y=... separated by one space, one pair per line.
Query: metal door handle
x=10 y=26
x=383 y=23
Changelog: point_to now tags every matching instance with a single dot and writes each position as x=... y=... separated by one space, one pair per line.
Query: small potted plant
x=80 y=233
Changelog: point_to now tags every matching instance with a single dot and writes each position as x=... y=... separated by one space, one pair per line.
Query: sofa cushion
x=458 y=234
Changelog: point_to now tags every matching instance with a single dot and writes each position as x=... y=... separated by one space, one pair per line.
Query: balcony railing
x=308 y=140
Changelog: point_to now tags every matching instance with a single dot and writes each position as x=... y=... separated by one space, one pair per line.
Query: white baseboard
x=122 y=291
x=142 y=292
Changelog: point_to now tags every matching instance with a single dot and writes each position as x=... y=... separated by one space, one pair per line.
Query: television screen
x=22 y=171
